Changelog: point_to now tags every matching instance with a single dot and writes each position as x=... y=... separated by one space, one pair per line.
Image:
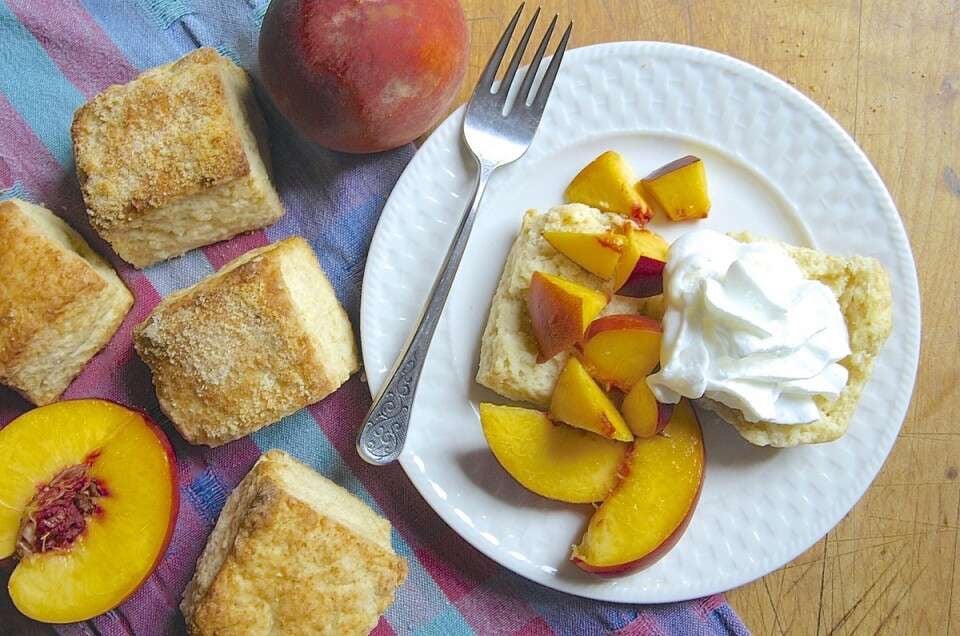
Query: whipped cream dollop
x=745 y=328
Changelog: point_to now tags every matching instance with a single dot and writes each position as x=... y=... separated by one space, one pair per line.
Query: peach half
x=678 y=189
x=621 y=350
x=552 y=460
x=88 y=500
x=607 y=183
x=560 y=311
x=639 y=272
x=596 y=253
x=578 y=401
x=646 y=514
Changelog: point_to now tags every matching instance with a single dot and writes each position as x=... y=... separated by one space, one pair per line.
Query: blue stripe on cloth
x=420 y=599
x=36 y=88
x=165 y=12
x=260 y=12
x=225 y=24
x=726 y=621
x=136 y=34
x=16 y=191
x=179 y=272
x=208 y=494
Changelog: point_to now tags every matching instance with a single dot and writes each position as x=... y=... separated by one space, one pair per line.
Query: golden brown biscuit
x=508 y=350
x=171 y=160
x=258 y=340
x=292 y=553
x=60 y=302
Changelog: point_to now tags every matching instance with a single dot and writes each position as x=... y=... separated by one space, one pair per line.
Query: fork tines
x=539 y=101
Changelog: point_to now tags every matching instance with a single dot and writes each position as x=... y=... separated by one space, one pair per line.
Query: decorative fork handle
x=385 y=427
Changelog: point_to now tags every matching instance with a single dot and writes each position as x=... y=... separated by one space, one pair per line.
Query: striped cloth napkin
x=56 y=55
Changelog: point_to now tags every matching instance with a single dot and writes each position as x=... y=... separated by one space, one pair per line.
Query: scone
x=60 y=302
x=258 y=340
x=508 y=351
x=175 y=159
x=862 y=288
x=292 y=553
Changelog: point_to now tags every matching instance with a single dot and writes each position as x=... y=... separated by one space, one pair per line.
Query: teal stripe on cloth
x=449 y=621
x=36 y=88
x=421 y=599
x=15 y=191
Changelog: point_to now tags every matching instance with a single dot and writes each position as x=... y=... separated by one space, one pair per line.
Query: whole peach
x=363 y=75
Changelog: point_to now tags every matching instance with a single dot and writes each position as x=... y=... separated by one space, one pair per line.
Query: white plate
x=778 y=166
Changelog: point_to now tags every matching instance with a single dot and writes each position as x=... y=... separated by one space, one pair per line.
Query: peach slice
x=88 y=499
x=596 y=253
x=552 y=460
x=608 y=183
x=621 y=350
x=560 y=311
x=639 y=272
x=644 y=415
x=578 y=401
x=678 y=189
x=648 y=511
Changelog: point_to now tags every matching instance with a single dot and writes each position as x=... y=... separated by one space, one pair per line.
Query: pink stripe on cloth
x=383 y=628
x=451 y=581
x=536 y=627
x=6 y=175
x=704 y=606
x=433 y=542
x=495 y=609
x=644 y=625
x=85 y=54
x=219 y=254
x=23 y=158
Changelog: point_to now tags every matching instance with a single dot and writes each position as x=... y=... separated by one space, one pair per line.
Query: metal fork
x=496 y=135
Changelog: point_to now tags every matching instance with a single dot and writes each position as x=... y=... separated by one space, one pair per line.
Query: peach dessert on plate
x=569 y=332
x=612 y=335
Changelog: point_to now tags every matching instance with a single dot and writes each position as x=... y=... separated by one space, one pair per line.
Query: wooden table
x=889 y=72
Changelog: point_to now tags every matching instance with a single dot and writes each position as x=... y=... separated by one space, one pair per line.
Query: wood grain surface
x=889 y=72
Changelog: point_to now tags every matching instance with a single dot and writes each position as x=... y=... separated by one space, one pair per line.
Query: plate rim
x=875 y=182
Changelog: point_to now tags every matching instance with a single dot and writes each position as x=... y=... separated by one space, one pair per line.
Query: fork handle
x=385 y=425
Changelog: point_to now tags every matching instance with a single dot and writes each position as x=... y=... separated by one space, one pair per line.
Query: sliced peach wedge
x=621 y=350
x=648 y=511
x=560 y=311
x=644 y=415
x=639 y=272
x=578 y=401
x=596 y=253
x=678 y=189
x=88 y=499
x=552 y=460
x=608 y=183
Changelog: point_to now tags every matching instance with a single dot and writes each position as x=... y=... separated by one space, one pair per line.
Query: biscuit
x=508 y=350
x=260 y=339
x=175 y=159
x=862 y=288
x=292 y=553
x=60 y=302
